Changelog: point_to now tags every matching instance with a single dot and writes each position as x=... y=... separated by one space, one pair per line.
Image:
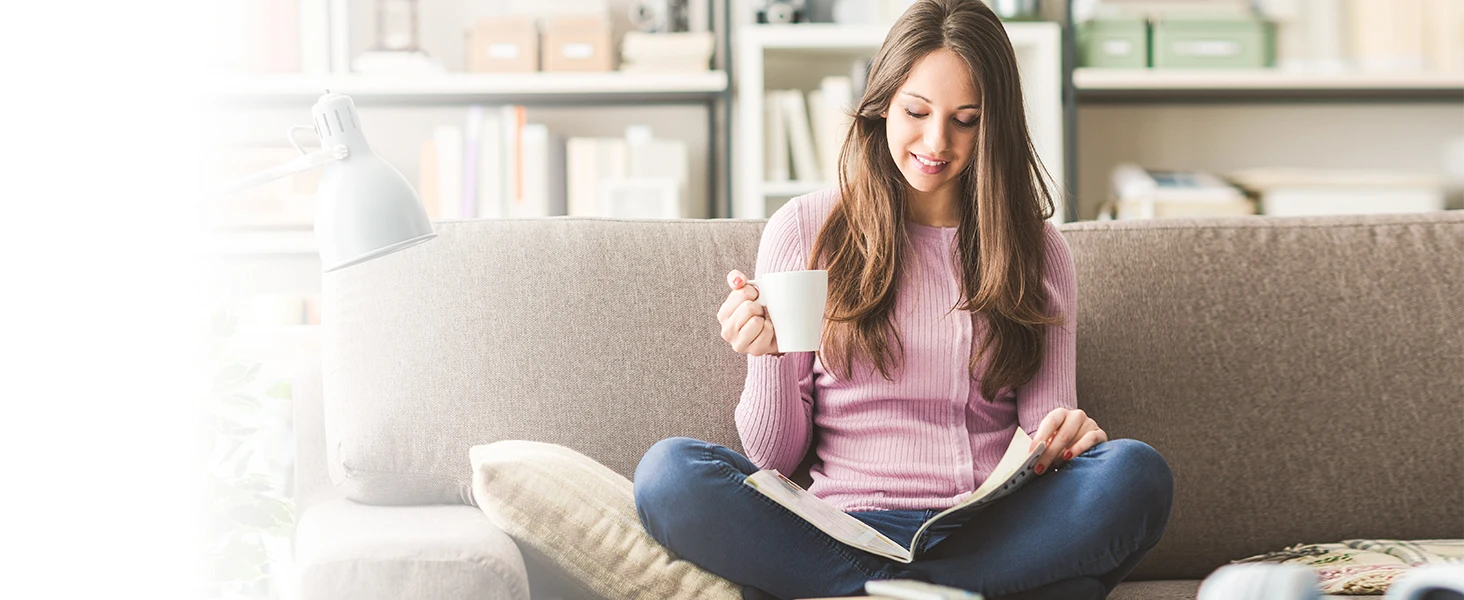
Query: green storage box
x=1114 y=43
x=1213 y=43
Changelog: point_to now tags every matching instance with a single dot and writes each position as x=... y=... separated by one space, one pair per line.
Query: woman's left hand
x=1068 y=433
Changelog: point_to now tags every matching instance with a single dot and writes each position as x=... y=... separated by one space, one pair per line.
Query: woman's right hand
x=745 y=323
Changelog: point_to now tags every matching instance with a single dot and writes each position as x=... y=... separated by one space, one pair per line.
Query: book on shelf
x=831 y=107
x=1368 y=35
x=592 y=161
x=480 y=169
x=449 y=142
x=804 y=131
x=1443 y=35
x=632 y=177
x=472 y=161
x=1142 y=193
x=1012 y=472
x=1309 y=34
x=775 y=139
x=542 y=173
x=496 y=164
x=427 y=176
x=275 y=36
x=1311 y=192
x=800 y=136
x=661 y=159
x=1387 y=35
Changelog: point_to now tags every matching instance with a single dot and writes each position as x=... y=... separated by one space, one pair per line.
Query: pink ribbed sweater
x=927 y=439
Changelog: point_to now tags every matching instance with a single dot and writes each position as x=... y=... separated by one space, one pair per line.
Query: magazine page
x=1013 y=471
x=825 y=516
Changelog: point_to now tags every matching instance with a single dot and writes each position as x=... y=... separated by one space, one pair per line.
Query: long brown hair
x=1003 y=204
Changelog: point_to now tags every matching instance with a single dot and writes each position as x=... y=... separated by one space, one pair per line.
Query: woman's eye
x=968 y=124
x=914 y=114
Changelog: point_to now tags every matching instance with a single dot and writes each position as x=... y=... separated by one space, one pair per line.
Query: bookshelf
x=1151 y=84
x=797 y=56
x=1346 y=117
x=606 y=87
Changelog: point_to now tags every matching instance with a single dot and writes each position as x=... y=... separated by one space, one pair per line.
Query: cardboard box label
x=1208 y=48
x=579 y=50
x=1117 y=47
x=503 y=51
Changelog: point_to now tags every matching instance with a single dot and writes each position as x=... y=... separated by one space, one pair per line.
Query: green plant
x=251 y=512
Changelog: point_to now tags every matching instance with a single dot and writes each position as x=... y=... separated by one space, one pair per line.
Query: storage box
x=1114 y=43
x=1213 y=43
x=504 y=45
x=577 y=43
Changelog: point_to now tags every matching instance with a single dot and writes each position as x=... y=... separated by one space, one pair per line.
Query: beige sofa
x=1303 y=376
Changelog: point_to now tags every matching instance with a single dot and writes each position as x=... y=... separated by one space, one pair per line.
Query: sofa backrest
x=1303 y=376
x=600 y=335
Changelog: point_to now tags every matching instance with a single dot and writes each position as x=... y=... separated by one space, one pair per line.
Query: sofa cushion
x=345 y=550
x=579 y=517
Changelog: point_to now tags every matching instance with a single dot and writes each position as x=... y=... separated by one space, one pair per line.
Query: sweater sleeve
x=1056 y=381
x=775 y=414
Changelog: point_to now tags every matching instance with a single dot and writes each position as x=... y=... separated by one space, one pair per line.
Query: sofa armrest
x=363 y=552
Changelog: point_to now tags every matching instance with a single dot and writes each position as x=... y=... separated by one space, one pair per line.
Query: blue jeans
x=1070 y=534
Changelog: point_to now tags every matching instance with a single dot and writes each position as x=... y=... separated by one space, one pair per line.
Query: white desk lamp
x=366 y=207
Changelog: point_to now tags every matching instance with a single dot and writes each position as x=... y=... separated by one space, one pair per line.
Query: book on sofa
x=1012 y=472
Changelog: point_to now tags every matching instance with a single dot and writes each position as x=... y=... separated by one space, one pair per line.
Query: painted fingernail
x=737 y=281
x=1067 y=455
x=1040 y=468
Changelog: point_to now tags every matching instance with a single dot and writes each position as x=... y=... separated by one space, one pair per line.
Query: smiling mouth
x=928 y=162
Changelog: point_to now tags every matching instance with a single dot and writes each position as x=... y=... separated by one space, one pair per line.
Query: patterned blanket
x=1364 y=566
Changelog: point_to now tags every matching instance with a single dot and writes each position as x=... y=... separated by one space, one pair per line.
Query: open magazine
x=1013 y=471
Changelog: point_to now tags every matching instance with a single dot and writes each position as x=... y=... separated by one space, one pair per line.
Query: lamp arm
x=303 y=163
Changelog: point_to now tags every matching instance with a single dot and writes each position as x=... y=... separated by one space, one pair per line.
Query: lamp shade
x=367 y=209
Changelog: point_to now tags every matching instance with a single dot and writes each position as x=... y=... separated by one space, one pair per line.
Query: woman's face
x=932 y=120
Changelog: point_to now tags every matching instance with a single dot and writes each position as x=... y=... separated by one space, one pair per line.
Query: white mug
x=795 y=302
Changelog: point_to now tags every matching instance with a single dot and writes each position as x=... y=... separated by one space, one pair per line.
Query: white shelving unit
x=455 y=87
x=797 y=56
x=1261 y=79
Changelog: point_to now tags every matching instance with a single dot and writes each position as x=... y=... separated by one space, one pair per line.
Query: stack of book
x=634 y=177
x=272 y=36
x=805 y=131
x=499 y=165
x=666 y=52
x=1293 y=192
x=1140 y=193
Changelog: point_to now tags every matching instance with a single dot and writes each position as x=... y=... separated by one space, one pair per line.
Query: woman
x=929 y=360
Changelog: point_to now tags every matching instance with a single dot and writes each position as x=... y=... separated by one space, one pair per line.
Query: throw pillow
x=1364 y=566
x=578 y=516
